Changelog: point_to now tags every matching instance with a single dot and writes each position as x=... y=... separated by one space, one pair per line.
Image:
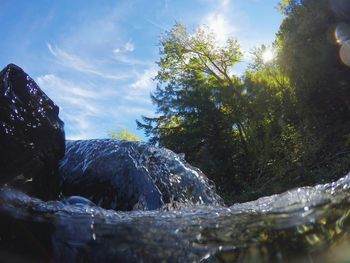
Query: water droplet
x=205 y=258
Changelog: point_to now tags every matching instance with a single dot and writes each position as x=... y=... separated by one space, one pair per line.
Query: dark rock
x=31 y=134
x=124 y=175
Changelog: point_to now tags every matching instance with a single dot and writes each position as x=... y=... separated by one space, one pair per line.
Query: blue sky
x=96 y=59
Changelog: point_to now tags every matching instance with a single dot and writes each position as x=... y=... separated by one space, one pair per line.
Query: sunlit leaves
x=281 y=122
x=124 y=135
x=183 y=53
x=288 y=6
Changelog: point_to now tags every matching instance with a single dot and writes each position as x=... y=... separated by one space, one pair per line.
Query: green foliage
x=285 y=123
x=289 y=6
x=309 y=51
x=198 y=101
x=124 y=135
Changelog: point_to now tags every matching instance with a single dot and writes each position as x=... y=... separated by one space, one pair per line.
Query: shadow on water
x=308 y=224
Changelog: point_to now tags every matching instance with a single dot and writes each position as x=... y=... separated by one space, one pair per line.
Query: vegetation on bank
x=124 y=135
x=284 y=123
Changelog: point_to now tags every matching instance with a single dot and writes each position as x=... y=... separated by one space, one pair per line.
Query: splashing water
x=309 y=224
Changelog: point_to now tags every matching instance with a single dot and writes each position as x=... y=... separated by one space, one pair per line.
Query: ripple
x=298 y=225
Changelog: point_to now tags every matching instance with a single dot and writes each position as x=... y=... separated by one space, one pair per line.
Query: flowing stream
x=308 y=224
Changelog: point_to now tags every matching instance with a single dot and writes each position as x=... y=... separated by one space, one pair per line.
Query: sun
x=268 y=55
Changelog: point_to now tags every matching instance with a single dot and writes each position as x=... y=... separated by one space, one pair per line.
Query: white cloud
x=53 y=83
x=140 y=89
x=68 y=93
x=88 y=111
x=83 y=97
x=78 y=103
x=122 y=110
x=158 y=25
x=82 y=122
x=145 y=80
x=77 y=63
x=121 y=58
x=127 y=47
x=79 y=127
x=121 y=55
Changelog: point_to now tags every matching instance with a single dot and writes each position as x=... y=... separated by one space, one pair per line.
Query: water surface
x=308 y=224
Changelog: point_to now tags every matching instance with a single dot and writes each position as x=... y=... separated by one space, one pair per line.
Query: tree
x=283 y=124
x=199 y=101
x=124 y=135
x=183 y=54
x=289 y=6
x=310 y=54
x=272 y=116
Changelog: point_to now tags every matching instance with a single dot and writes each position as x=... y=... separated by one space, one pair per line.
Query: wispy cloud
x=88 y=110
x=69 y=93
x=79 y=64
x=78 y=103
x=141 y=88
x=104 y=75
x=129 y=61
x=161 y=26
x=138 y=111
x=60 y=86
x=81 y=128
x=145 y=80
x=122 y=55
x=127 y=47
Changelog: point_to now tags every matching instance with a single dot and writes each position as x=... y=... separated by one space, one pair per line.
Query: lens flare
x=342 y=36
x=345 y=53
x=342 y=33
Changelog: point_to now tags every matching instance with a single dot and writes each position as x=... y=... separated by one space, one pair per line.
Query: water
x=303 y=225
x=124 y=175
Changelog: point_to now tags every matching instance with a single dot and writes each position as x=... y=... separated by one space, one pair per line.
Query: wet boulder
x=125 y=175
x=31 y=134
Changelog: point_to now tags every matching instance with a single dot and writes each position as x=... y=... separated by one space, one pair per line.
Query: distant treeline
x=284 y=123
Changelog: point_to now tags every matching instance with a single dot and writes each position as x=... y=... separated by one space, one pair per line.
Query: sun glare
x=268 y=55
